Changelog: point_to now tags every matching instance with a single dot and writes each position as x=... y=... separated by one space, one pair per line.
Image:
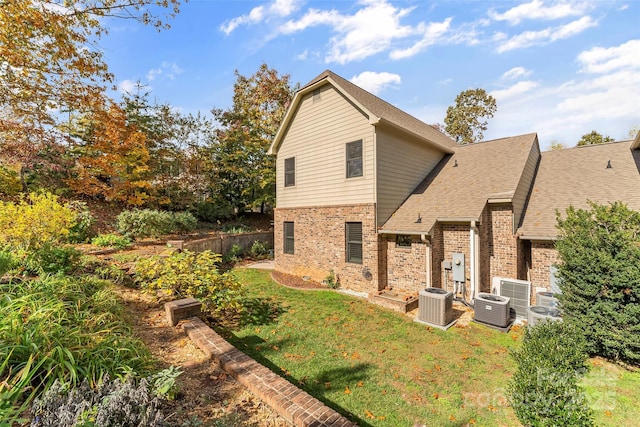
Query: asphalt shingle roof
x=461 y=184
x=577 y=175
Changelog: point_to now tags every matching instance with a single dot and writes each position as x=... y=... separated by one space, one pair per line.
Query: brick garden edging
x=293 y=404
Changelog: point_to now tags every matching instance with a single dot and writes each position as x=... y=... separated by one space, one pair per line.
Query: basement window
x=288 y=238
x=354 y=242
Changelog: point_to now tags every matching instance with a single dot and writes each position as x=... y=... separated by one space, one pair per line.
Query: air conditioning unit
x=538 y=313
x=518 y=292
x=492 y=309
x=435 y=306
x=546 y=299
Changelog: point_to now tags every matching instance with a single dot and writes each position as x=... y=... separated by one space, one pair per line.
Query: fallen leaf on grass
x=347 y=391
x=369 y=415
x=360 y=384
x=452 y=418
x=607 y=413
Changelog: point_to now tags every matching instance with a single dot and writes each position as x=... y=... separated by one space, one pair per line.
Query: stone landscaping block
x=182 y=309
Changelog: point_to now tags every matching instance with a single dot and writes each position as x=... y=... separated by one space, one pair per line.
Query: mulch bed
x=296 y=282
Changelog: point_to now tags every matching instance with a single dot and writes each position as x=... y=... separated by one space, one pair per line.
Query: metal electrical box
x=457 y=267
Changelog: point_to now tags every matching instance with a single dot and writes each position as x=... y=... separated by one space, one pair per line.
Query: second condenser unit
x=492 y=309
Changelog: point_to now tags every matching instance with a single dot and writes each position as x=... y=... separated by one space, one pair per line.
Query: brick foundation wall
x=406 y=266
x=319 y=240
x=543 y=255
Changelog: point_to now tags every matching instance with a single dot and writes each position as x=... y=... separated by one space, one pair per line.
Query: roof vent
x=609 y=164
x=455 y=163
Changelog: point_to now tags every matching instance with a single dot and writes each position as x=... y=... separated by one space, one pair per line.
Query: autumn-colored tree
x=593 y=138
x=245 y=174
x=111 y=157
x=50 y=64
x=463 y=120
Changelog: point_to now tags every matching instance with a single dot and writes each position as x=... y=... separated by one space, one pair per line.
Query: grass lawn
x=380 y=368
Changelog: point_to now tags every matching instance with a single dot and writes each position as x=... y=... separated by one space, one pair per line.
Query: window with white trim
x=354 y=159
x=288 y=237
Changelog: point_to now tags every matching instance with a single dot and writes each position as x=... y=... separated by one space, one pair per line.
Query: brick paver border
x=295 y=405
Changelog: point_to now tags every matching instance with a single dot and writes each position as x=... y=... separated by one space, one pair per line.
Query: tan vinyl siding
x=524 y=186
x=403 y=162
x=317 y=138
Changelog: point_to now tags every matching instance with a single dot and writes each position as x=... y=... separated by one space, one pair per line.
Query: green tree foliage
x=464 y=119
x=544 y=390
x=599 y=272
x=245 y=174
x=593 y=138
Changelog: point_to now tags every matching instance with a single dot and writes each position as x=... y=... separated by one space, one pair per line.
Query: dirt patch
x=296 y=282
x=208 y=396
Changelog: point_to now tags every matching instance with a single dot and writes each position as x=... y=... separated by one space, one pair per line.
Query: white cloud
x=127 y=86
x=547 y=35
x=277 y=8
x=515 y=73
x=537 y=9
x=303 y=56
x=603 y=60
x=375 y=82
x=516 y=90
x=167 y=69
x=432 y=33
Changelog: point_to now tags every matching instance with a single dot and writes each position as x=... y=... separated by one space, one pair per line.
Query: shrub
x=332 y=280
x=35 y=220
x=544 y=390
x=141 y=223
x=259 y=249
x=599 y=276
x=10 y=183
x=188 y=274
x=121 y=403
x=235 y=254
x=84 y=220
x=50 y=259
x=7 y=261
x=111 y=240
x=235 y=228
x=212 y=211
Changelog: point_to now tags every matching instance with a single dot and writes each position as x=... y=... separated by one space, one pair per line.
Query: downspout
x=423 y=237
x=473 y=259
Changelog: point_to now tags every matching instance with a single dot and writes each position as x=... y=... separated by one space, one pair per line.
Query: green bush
x=599 y=273
x=544 y=390
x=235 y=254
x=7 y=261
x=111 y=240
x=259 y=249
x=84 y=220
x=189 y=274
x=119 y=403
x=51 y=259
x=141 y=223
x=212 y=211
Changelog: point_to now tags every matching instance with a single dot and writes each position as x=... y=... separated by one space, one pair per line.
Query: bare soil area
x=208 y=396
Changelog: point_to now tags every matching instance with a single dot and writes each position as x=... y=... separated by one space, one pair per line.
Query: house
x=383 y=200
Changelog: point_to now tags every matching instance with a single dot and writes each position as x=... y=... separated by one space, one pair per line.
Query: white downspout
x=473 y=259
x=427 y=259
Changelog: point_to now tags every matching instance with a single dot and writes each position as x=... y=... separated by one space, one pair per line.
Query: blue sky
x=558 y=68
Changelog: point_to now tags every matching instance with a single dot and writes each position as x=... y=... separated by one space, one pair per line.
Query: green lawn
x=379 y=368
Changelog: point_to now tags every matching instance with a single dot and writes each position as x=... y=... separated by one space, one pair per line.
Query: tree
x=50 y=65
x=555 y=145
x=593 y=138
x=463 y=121
x=633 y=132
x=245 y=174
x=599 y=273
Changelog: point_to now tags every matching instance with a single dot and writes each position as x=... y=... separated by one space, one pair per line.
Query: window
x=354 y=159
x=403 y=240
x=288 y=237
x=354 y=242
x=290 y=172
x=316 y=95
